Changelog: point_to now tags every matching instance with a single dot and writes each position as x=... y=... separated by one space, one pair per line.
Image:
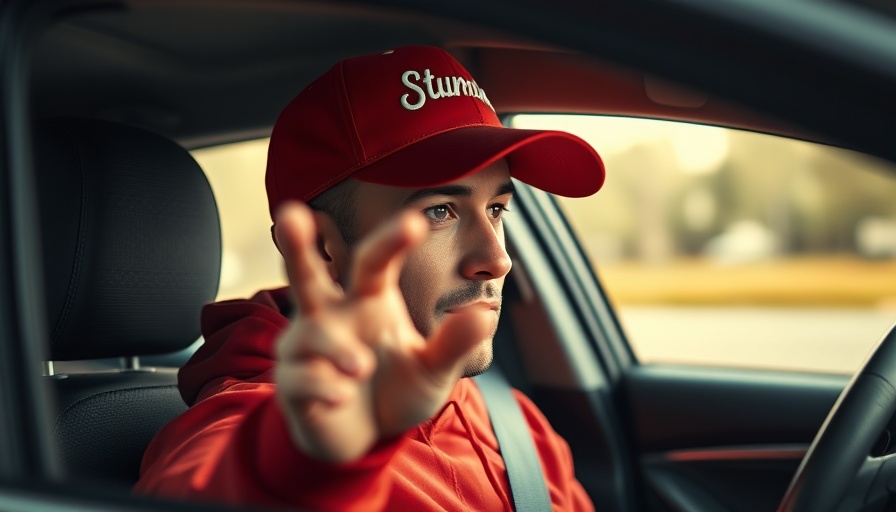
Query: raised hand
x=352 y=368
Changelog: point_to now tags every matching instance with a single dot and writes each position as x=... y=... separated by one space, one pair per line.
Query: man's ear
x=331 y=247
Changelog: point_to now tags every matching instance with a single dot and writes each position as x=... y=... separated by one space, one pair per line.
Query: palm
x=353 y=368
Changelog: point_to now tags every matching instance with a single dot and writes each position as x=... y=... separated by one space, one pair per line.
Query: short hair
x=338 y=202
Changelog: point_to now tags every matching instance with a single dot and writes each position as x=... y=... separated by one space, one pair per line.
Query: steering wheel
x=838 y=472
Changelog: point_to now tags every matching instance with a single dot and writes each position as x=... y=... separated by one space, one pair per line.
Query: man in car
x=348 y=390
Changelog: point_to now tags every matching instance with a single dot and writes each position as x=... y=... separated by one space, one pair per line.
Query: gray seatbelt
x=527 y=485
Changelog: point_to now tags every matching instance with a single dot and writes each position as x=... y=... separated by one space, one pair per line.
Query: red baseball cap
x=411 y=117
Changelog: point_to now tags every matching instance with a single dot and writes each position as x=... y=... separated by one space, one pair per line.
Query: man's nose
x=485 y=256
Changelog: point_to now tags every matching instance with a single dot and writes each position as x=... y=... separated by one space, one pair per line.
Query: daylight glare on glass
x=727 y=247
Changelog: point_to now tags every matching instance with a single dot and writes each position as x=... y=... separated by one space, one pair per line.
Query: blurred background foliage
x=705 y=215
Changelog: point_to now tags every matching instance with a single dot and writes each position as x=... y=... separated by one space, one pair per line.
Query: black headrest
x=131 y=239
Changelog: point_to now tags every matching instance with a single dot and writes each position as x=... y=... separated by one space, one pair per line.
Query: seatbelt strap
x=527 y=485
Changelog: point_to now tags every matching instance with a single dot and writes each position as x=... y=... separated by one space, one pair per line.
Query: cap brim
x=554 y=161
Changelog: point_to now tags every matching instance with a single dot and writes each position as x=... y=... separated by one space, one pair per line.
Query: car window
x=731 y=248
x=250 y=261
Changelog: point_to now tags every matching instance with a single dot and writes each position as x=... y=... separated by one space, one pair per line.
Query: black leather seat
x=132 y=250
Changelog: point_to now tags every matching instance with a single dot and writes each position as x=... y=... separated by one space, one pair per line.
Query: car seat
x=132 y=250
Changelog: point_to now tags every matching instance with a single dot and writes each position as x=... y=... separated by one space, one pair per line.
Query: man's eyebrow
x=447 y=190
x=453 y=190
x=506 y=188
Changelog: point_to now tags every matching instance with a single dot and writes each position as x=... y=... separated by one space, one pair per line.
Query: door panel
x=717 y=439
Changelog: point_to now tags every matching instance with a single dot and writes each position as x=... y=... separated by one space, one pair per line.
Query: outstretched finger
x=313 y=381
x=337 y=345
x=457 y=336
x=309 y=281
x=380 y=257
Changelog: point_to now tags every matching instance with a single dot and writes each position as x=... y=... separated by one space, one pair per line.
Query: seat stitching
x=82 y=235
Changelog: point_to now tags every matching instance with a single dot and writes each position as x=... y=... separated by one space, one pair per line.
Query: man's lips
x=484 y=304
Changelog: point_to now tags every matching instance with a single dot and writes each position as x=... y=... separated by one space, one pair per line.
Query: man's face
x=463 y=262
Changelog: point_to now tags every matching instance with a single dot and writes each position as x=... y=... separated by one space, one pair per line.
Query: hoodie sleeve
x=232 y=446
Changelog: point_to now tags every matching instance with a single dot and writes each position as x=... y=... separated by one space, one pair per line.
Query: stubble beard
x=480 y=358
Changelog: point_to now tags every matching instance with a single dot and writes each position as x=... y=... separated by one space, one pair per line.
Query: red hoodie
x=232 y=445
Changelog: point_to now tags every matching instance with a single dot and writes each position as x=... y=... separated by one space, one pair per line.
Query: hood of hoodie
x=239 y=344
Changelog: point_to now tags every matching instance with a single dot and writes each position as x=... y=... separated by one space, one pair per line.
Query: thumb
x=456 y=337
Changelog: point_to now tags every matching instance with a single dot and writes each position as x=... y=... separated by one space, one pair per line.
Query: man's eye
x=497 y=209
x=438 y=213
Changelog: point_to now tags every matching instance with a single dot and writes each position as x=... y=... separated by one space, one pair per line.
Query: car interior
x=117 y=223
x=132 y=250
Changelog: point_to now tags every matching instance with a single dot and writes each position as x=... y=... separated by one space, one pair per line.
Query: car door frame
x=24 y=437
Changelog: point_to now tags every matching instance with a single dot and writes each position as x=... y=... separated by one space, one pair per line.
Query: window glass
x=724 y=247
x=250 y=259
